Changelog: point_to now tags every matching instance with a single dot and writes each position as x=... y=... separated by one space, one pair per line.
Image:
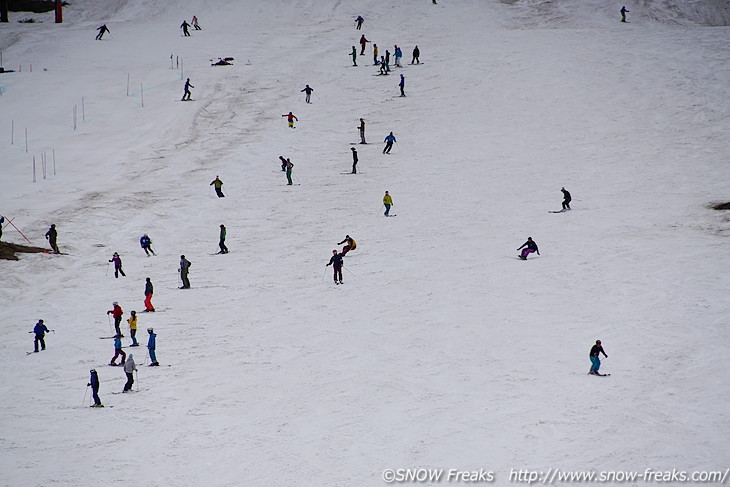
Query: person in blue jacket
x=94 y=383
x=151 y=343
x=118 y=351
x=40 y=331
x=402 y=85
x=146 y=243
x=389 y=139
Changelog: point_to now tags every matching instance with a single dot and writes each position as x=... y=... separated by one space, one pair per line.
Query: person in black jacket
x=184 y=269
x=184 y=26
x=51 y=236
x=354 y=160
x=530 y=247
x=148 y=291
x=566 y=199
x=308 y=91
x=336 y=263
x=94 y=383
x=102 y=30
x=595 y=361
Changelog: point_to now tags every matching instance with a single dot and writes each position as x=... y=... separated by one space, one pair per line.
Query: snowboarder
x=289 y=166
x=146 y=243
x=354 y=56
x=129 y=368
x=184 y=269
x=186 y=95
x=218 y=187
x=222 y=242
x=151 y=344
x=94 y=383
x=416 y=55
x=2 y=220
x=184 y=26
x=363 y=42
x=117 y=313
x=388 y=202
x=336 y=263
x=40 y=330
x=354 y=160
x=530 y=247
x=594 y=356
x=290 y=117
x=51 y=236
x=389 y=139
x=566 y=199
x=118 y=351
x=375 y=55
x=308 y=91
x=623 y=13
x=351 y=245
x=133 y=328
x=358 y=21
x=148 y=292
x=102 y=30
x=361 y=128
x=398 y=54
x=283 y=163
x=117 y=265
x=402 y=85
x=195 y=23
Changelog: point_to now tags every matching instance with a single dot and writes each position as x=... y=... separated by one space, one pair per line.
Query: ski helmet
x=134 y=312
x=149 y=330
x=115 y=303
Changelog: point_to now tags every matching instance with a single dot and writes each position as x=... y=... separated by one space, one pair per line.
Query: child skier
x=117 y=265
x=133 y=328
x=290 y=117
x=151 y=344
x=118 y=351
x=94 y=383
x=530 y=247
x=336 y=263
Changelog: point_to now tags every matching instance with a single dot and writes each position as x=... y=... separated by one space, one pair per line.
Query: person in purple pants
x=529 y=247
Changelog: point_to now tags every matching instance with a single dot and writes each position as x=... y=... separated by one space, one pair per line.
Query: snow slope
x=441 y=349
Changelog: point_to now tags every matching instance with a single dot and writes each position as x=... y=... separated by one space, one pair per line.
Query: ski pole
x=348 y=270
x=85 y=392
x=324 y=273
x=136 y=377
x=107 y=270
x=110 y=323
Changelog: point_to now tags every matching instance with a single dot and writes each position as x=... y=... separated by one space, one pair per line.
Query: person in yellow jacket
x=388 y=202
x=133 y=329
x=351 y=245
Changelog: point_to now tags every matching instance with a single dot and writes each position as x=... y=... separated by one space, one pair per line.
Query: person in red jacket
x=290 y=118
x=117 y=313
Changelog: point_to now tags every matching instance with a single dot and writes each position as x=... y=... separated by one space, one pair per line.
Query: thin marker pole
x=141 y=92
x=127 y=84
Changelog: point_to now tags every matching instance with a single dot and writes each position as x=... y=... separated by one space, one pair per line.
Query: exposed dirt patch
x=722 y=206
x=8 y=250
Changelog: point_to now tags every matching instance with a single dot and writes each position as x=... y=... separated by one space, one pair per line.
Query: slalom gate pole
x=85 y=393
x=26 y=238
x=9 y=220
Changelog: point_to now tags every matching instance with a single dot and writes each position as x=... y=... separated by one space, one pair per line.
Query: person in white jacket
x=129 y=368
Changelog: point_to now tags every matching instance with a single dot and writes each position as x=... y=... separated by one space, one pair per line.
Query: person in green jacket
x=218 y=185
x=388 y=202
x=289 y=166
x=222 y=242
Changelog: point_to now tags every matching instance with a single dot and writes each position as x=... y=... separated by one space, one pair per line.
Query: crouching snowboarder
x=530 y=247
x=596 y=350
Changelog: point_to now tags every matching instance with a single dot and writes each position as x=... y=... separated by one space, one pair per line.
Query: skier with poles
x=102 y=30
x=594 y=354
x=351 y=245
x=389 y=139
x=51 y=236
x=117 y=265
x=354 y=56
x=290 y=117
x=129 y=369
x=184 y=26
x=40 y=330
x=388 y=202
x=187 y=94
x=117 y=313
x=151 y=344
x=566 y=199
x=308 y=91
x=184 y=269
x=133 y=329
x=218 y=187
x=94 y=383
x=530 y=247
x=289 y=166
x=361 y=128
x=354 y=160
x=148 y=291
x=146 y=243
x=118 y=351
x=336 y=263
x=222 y=240
x=194 y=21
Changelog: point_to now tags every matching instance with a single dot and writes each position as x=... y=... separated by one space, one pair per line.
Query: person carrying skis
x=289 y=166
x=623 y=13
x=117 y=313
x=363 y=42
x=283 y=163
x=184 y=26
x=146 y=243
x=184 y=269
x=361 y=128
x=51 y=236
x=351 y=245
x=389 y=139
x=129 y=368
x=94 y=383
x=398 y=54
x=148 y=292
x=218 y=187
x=40 y=330
x=358 y=21
x=117 y=265
x=133 y=329
x=336 y=263
x=308 y=91
x=375 y=55
x=290 y=117
x=416 y=55
x=530 y=247
x=354 y=56
x=222 y=241
x=596 y=350
x=388 y=202
x=195 y=23
x=151 y=344
x=102 y=30
x=118 y=351
x=566 y=199
x=402 y=85
x=187 y=94
x=354 y=160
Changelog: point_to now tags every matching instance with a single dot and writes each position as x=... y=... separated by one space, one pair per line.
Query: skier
x=133 y=328
x=117 y=313
x=218 y=185
x=375 y=55
x=94 y=383
x=129 y=368
x=184 y=27
x=289 y=166
x=184 y=269
x=117 y=265
x=195 y=23
x=623 y=13
x=387 y=60
x=336 y=263
x=151 y=344
x=389 y=139
x=222 y=242
x=148 y=291
x=363 y=42
x=530 y=247
x=398 y=54
x=416 y=54
x=383 y=67
x=146 y=243
x=118 y=351
x=388 y=202
x=351 y=245
x=354 y=160
x=354 y=56
x=51 y=236
x=102 y=30
x=566 y=199
x=290 y=118
x=402 y=85
x=40 y=331
x=595 y=360
x=283 y=163
x=361 y=128
x=359 y=20
x=186 y=95
x=2 y=220
x=308 y=91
